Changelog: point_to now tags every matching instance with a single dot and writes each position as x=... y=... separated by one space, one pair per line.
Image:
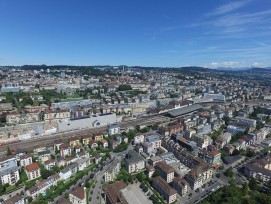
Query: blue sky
x=210 y=33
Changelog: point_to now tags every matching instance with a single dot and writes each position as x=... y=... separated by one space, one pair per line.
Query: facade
x=135 y=162
x=259 y=169
x=78 y=196
x=41 y=186
x=112 y=193
x=112 y=171
x=32 y=171
x=94 y=121
x=168 y=193
x=17 y=199
x=44 y=155
x=167 y=172
x=25 y=160
x=65 y=150
x=9 y=172
x=113 y=129
x=180 y=185
x=212 y=157
x=198 y=176
x=68 y=171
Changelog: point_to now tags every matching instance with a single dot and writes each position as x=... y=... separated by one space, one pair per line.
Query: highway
x=49 y=139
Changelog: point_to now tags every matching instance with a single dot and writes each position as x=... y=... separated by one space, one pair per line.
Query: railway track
x=48 y=140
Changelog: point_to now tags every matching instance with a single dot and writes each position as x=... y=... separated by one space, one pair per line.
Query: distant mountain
x=256 y=69
x=196 y=69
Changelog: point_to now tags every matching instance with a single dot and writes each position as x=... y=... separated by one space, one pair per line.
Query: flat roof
x=184 y=110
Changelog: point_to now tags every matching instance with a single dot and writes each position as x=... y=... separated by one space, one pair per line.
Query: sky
x=172 y=33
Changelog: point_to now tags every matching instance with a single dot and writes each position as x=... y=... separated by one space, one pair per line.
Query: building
x=113 y=129
x=65 y=150
x=170 y=129
x=32 y=171
x=91 y=122
x=10 y=87
x=78 y=196
x=49 y=164
x=112 y=171
x=134 y=162
x=199 y=175
x=74 y=141
x=259 y=169
x=112 y=193
x=9 y=172
x=168 y=193
x=68 y=171
x=139 y=138
x=167 y=172
x=41 y=186
x=212 y=157
x=17 y=199
x=44 y=155
x=25 y=160
x=83 y=163
x=180 y=185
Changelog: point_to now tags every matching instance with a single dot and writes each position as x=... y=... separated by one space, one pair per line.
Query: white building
x=135 y=162
x=112 y=171
x=113 y=129
x=9 y=172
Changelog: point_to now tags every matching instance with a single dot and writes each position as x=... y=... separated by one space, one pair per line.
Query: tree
x=9 y=152
x=45 y=173
x=245 y=189
x=229 y=172
x=156 y=173
x=124 y=87
x=253 y=184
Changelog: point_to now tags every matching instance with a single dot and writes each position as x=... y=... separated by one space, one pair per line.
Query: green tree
x=124 y=87
x=245 y=188
x=253 y=185
x=9 y=152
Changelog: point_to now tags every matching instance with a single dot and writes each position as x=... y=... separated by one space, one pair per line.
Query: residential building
x=17 y=199
x=112 y=193
x=65 y=150
x=49 y=164
x=32 y=171
x=113 y=129
x=41 y=186
x=167 y=172
x=259 y=169
x=112 y=171
x=98 y=136
x=134 y=162
x=9 y=172
x=74 y=141
x=25 y=160
x=199 y=175
x=168 y=193
x=44 y=155
x=68 y=171
x=212 y=157
x=180 y=185
x=78 y=196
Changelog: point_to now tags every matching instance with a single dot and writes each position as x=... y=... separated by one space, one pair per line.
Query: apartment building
x=112 y=171
x=180 y=185
x=25 y=160
x=78 y=196
x=167 y=172
x=32 y=171
x=135 y=162
x=9 y=172
x=168 y=193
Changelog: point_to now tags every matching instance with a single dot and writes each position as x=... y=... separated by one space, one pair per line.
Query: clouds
x=226 y=8
x=232 y=64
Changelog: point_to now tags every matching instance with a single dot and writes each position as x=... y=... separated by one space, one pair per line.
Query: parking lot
x=134 y=195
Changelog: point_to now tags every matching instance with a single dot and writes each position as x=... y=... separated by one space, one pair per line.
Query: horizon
x=217 y=34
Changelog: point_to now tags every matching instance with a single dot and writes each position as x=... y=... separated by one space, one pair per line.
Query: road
x=49 y=139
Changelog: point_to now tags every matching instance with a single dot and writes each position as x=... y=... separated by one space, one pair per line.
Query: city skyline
x=154 y=33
